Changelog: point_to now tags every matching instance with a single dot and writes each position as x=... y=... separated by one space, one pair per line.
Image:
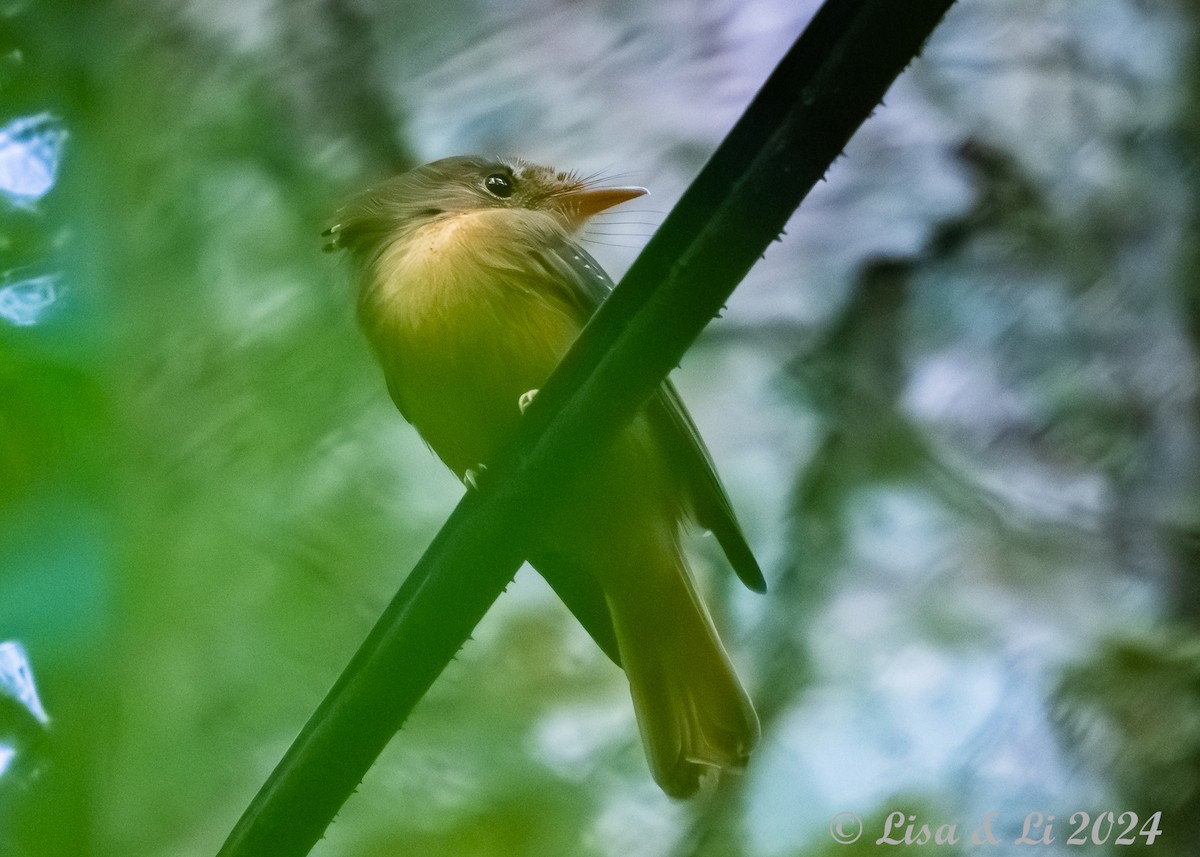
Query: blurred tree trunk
x=1184 y=536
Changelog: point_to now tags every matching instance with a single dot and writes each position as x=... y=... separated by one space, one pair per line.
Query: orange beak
x=579 y=205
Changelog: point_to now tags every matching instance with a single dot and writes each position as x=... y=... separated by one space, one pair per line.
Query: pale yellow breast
x=463 y=328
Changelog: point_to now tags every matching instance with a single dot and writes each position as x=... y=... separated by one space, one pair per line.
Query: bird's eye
x=499 y=185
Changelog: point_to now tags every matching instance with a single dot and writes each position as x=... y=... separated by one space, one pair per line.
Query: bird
x=471 y=285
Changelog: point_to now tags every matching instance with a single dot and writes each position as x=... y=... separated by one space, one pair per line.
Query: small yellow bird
x=471 y=287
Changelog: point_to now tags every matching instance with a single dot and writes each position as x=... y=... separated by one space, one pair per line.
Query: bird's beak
x=579 y=205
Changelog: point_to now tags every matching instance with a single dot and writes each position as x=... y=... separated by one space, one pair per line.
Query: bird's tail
x=693 y=714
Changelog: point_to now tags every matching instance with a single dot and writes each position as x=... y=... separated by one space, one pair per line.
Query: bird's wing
x=578 y=279
x=579 y=589
x=394 y=392
x=681 y=440
x=585 y=285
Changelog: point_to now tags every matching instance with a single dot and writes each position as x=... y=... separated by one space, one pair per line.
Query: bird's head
x=466 y=184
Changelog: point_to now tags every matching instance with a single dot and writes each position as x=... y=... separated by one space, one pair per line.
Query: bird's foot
x=526 y=398
x=472 y=476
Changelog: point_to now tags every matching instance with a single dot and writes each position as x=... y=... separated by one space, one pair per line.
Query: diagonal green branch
x=824 y=88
